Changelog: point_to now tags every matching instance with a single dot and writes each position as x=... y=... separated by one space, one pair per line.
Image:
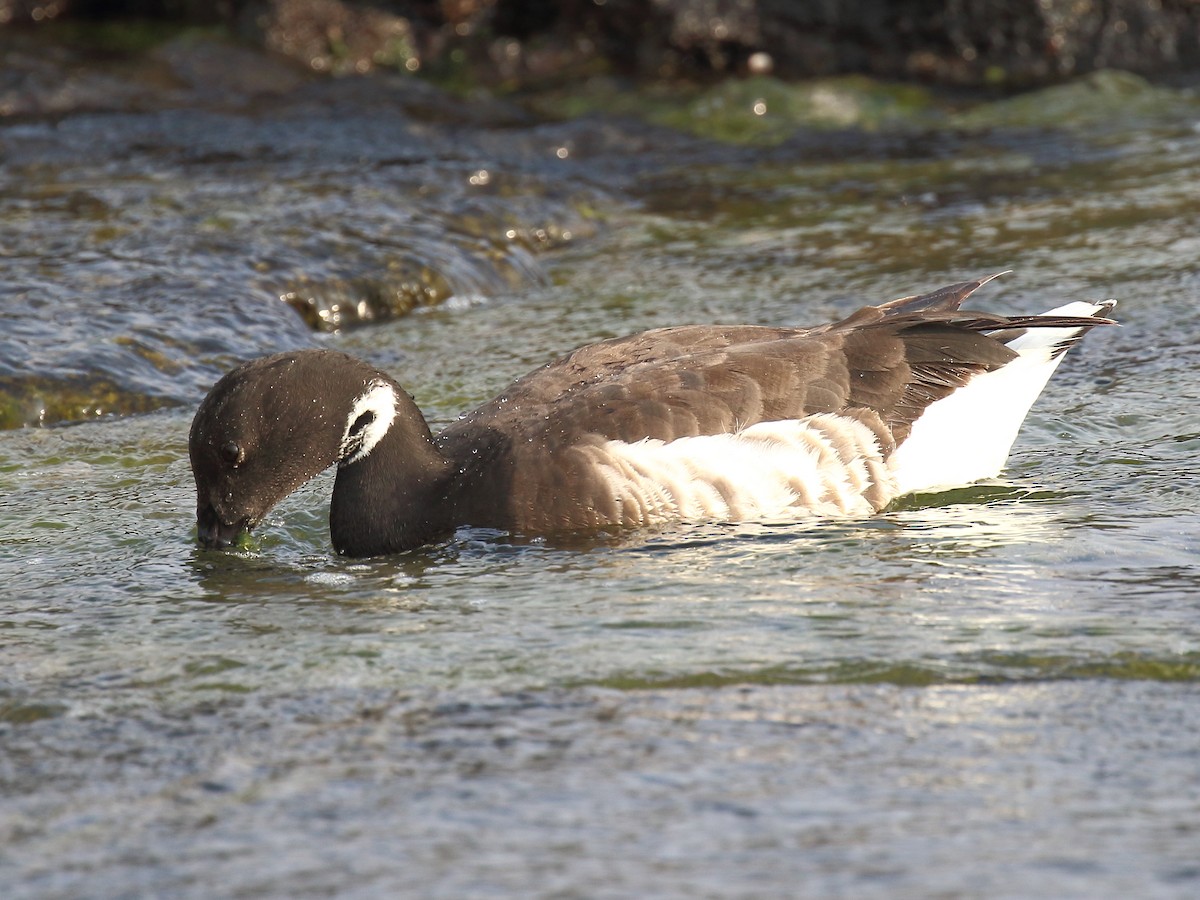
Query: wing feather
x=884 y=365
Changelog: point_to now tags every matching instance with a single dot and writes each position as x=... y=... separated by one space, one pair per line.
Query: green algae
x=767 y=111
x=759 y=111
x=988 y=668
x=17 y=712
x=1100 y=97
x=126 y=37
x=48 y=401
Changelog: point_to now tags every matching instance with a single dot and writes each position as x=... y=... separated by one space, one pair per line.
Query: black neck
x=396 y=497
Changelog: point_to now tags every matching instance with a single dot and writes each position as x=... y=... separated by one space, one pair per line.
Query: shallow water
x=992 y=692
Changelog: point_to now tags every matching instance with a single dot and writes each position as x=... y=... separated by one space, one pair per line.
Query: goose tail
x=966 y=436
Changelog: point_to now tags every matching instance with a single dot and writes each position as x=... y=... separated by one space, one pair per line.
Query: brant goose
x=694 y=422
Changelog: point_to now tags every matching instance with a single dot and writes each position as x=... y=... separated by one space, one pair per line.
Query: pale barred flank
x=822 y=465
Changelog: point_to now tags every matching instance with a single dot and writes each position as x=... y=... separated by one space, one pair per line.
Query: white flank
x=817 y=466
x=966 y=437
x=378 y=399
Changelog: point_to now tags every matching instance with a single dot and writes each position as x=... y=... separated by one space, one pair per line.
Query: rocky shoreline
x=511 y=44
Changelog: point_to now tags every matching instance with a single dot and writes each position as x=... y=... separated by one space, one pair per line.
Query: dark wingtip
x=948 y=298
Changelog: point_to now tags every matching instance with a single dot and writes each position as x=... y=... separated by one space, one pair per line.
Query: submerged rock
x=340 y=303
x=39 y=400
x=1096 y=98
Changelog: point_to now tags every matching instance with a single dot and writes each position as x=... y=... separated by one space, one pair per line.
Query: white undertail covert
x=966 y=437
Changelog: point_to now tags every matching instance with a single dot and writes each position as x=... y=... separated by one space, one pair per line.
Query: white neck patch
x=370 y=418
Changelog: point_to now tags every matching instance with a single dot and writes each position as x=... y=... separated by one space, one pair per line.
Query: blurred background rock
x=529 y=43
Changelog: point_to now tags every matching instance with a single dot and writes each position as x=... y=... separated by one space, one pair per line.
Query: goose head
x=274 y=423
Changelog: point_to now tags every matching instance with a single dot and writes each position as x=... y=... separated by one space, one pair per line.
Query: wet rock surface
x=491 y=42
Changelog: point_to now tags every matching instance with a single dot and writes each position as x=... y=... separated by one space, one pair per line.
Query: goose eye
x=232 y=454
x=361 y=423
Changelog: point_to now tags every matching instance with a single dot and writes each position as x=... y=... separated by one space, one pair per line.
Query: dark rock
x=514 y=43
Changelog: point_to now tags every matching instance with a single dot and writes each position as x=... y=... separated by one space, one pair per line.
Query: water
x=988 y=693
